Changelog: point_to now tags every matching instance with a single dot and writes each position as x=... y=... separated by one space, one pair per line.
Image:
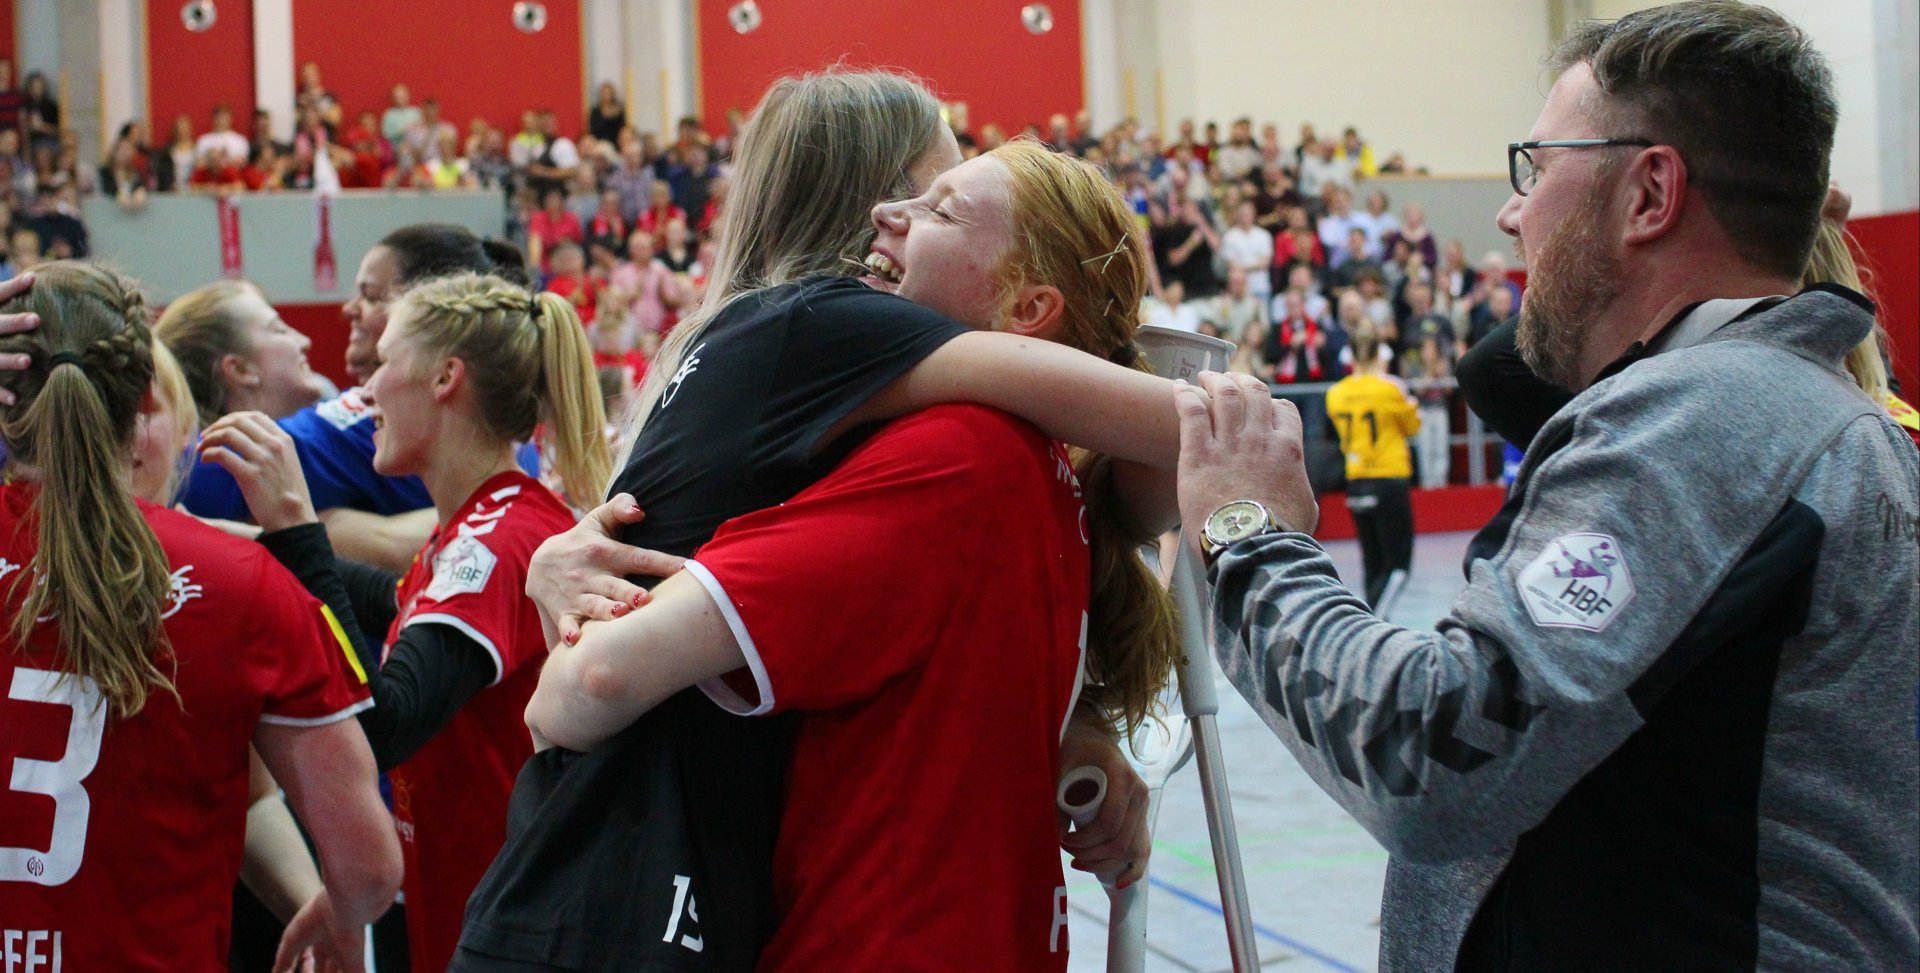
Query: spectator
x=660 y=209
x=1357 y=155
x=1414 y=231
x=1183 y=248
x=180 y=153
x=444 y=169
x=1084 y=140
x=40 y=116
x=431 y=139
x=1372 y=289
x=262 y=133
x=267 y=171
x=1173 y=310
x=646 y=288
x=1378 y=220
x=608 y=116
x=122 y=176
x=1194 y=149
x=46 y=167
x=676 y=248
x=1336 y=224
x=1300 y=283
x=234 y=145
x=18 y=188
x=528 y=143
x=489 y=164
x=632 y=177
x=690 y=181
x=1250 y=249
x=1453 y=276
x=55 y=220
x=607 y=227
x=1494 y=312
x=557 y=160
x=400 y=116
x=1493 y=267
x=1239 y=157
x=1323 y=168
x=1353 y=260
x=553 y=225
x=366 y=157
x=217 y=172
x=1300 y=347
x=13 y=101
x=314 y=94
x=26 y=251
x=1308 y=145
x=570 y=280
x=1237 y=310
x=723 y=146
x=1275 y=197
x=689 y=135
x=1427 y=360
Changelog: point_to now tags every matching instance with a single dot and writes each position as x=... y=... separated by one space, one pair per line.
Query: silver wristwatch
x=1235 y=521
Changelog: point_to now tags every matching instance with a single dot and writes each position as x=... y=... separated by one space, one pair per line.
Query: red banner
x=230 y=258
x=326 y=274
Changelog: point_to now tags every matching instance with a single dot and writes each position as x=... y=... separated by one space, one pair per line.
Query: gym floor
x=1313 y=875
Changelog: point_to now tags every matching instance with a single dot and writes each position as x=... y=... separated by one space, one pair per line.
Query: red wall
x=189 y=73
x=326 y=326
x=7 y=21
x=975 y=51
x=465 y=53
x=1889 y=251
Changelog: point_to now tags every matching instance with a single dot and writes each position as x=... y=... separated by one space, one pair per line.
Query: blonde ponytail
x=528 y=360
x=100 y=575
x=576 y=413
x=1832 y=263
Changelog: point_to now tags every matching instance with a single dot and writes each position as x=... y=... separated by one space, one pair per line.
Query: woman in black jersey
x=792 y=359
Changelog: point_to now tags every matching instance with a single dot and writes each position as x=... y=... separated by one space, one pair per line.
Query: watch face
x=1242 y=518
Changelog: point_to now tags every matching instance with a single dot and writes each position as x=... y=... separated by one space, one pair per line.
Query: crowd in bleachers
x=1279 y=248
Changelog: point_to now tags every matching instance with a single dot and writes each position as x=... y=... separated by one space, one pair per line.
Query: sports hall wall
x=976 y=51
x=364 y=49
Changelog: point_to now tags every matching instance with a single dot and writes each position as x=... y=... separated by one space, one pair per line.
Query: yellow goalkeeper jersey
x=1374 y=418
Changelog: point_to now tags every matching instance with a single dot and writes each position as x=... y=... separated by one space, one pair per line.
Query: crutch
x=1178 y=354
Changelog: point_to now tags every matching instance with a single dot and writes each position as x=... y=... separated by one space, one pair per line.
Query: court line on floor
x=1209 y=905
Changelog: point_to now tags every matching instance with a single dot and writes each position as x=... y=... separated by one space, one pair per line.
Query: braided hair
x=505 y=336
x=101 y=572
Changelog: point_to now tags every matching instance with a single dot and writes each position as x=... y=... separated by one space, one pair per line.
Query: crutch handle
x=1079 y=796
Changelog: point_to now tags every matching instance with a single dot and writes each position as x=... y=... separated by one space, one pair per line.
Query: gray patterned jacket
x=1671 y=721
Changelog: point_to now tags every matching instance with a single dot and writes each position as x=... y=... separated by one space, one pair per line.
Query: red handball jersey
x=450 y=798
x=925 y=605
x=120 y=839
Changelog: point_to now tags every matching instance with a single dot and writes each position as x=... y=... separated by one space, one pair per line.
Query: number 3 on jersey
x=58 y=779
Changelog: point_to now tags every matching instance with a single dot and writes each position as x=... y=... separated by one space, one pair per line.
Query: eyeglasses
x=1520 y=161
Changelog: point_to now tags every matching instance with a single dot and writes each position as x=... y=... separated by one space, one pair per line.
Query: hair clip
x=1108 y=256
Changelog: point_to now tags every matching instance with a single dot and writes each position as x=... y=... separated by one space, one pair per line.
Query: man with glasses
x=1671 y=722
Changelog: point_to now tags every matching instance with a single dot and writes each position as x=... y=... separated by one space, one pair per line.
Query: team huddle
x=701 y=744
x=781 y=672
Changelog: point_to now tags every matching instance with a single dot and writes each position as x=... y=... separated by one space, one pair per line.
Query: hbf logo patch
x=1580 y=581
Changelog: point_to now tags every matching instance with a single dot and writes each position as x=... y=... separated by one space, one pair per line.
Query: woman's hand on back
x=14 y=324
x=581 y=574
x=262 y=459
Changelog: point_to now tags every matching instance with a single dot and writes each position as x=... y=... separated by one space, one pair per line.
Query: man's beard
x=1572 y=278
